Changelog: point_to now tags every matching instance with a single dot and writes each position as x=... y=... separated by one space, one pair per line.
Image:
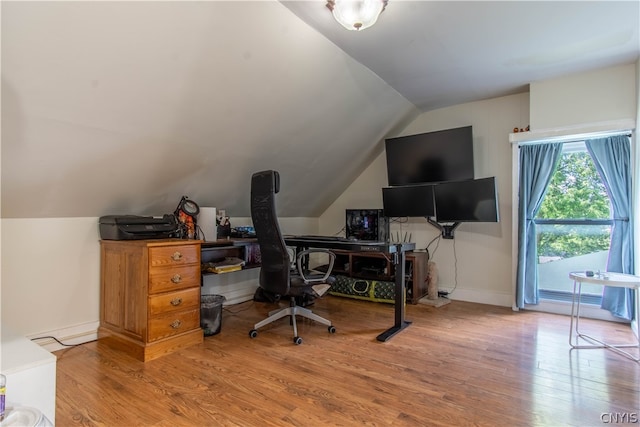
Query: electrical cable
x=239 y=311
x=56 y=340
x=455 y=268
x=400 y=219
x=438 y=236
x=437 y=239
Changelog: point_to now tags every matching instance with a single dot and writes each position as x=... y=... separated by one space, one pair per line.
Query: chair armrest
x=306 y=252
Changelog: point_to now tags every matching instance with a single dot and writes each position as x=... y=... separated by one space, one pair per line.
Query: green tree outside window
x=575 y=192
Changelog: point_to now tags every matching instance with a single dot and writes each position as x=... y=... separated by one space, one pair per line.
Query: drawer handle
x=176 y=278
x=176 y=301
x=176 y=324
x=177 y=256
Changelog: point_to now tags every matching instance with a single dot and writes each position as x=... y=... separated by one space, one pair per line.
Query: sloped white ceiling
x=442 y=53
x=123 y=107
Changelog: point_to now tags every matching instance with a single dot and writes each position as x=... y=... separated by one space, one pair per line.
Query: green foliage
x=575 y=192
x=567 y=241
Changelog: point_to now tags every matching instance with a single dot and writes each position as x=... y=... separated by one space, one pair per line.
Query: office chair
x=276 y=277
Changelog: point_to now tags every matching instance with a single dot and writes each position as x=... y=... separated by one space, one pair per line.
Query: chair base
x=292 y=311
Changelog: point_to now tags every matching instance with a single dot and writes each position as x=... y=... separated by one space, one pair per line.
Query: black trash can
x=211 y=313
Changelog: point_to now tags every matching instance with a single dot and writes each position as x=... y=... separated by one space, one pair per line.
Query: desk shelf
x=247 y=250
x=379 y=266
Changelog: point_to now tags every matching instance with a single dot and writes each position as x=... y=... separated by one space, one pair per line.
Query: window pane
x=575 y=192
x=566 y=248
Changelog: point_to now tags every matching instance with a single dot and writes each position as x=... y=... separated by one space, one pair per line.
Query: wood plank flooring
x=462 y=364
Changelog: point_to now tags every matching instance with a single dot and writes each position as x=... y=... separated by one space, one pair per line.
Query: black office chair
x=276 y=277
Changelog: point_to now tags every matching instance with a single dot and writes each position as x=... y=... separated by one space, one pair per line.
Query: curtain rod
x=577 y=137
x=575 y=132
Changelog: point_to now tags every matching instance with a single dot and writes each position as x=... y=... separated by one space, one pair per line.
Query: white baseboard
x=480 y=297
x=237 y=299
x=72 y=335
x=87 y=332
x=588 y=311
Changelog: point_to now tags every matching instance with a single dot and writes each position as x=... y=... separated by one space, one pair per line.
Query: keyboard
x=319 y=238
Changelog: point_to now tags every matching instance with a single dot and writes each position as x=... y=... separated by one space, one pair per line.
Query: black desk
x=397 y=250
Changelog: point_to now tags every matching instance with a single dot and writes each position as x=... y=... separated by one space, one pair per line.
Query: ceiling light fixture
x=356 y=15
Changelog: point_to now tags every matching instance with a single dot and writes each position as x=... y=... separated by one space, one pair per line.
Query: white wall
x=51 y=276
x=597 y=96
x=482 y=262
x=126 y=106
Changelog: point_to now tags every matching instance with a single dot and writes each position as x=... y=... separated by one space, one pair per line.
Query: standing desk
x=618 y=280
x=397 y=250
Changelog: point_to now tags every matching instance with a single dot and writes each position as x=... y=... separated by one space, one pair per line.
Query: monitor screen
x=366 y=224
x=473 y=200
x=408 y=200
x=432 y=157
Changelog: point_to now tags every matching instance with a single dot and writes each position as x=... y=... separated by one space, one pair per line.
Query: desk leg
x=399 y=303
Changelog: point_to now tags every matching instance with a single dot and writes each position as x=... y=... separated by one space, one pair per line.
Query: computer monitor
x=408 y=200
x=474 y=200
x=366 y=224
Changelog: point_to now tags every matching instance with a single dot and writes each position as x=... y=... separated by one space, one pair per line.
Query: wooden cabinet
x=379 y=266
x=150 y=296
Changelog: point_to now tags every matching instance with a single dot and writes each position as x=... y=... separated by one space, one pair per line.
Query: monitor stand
x=446 y=229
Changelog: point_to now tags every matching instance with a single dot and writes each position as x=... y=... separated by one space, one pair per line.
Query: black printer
x=133 y=227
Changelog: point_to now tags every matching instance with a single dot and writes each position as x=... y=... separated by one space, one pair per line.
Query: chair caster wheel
x=297 y=340
x=253 y=333
x=331 y=329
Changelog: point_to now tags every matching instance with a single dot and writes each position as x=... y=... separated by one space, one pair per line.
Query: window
x=573 y=226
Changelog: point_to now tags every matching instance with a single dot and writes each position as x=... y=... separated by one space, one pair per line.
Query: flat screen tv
x=408 y=200
x=473 y=200
x=445 y=155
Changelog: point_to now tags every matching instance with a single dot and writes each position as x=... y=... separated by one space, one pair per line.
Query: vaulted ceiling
x=123 y=107
x=442 y=53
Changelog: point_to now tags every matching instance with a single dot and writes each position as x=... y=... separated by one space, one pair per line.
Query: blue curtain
x=612 y=157
x=537 y=164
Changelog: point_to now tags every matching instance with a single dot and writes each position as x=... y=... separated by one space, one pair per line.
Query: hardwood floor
x=461 y=364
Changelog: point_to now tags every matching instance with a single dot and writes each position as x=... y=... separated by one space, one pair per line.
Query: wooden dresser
x=150 y=296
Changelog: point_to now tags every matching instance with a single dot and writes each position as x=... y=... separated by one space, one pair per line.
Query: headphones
x=186 y=214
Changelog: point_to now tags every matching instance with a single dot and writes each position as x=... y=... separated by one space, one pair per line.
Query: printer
x=133 y=227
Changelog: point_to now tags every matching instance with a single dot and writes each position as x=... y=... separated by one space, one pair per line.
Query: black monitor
x=466 y=201
x=366 y=224
x=445 y=155
x=408 y=200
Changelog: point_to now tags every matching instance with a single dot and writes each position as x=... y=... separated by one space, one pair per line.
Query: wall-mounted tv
x=445 y=155
x=473 y=200
x=408 y=200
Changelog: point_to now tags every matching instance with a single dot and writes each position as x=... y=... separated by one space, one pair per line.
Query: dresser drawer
x=173 y=279
x=173 y=323
x=172 y=256
x=174 y=301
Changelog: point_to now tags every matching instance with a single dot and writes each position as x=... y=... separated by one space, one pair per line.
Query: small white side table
x=619 y=280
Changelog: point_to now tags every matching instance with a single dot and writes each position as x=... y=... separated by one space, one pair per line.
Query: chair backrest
x=274 y=273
